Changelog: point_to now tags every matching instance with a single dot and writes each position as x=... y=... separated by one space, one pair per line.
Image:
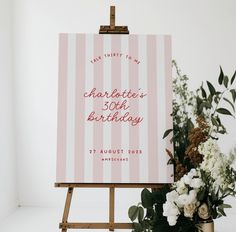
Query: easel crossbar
x=107 y=185
x=95 y=225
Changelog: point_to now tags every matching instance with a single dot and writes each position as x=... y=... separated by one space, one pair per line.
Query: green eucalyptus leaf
x=226 y=206
x=133 y=212
x=233 y=93
x=199 y=108
x=203 y=92
x=211 y=88
x=216 y=99
x=167 y=132
x=223 y=111
x=229 y=190
x=214 y=122
x=232 y=105
x=218 y=120
x=221 y=76
x=214 y=213
x=226 y=81
x=222 y=212
x=233 y=78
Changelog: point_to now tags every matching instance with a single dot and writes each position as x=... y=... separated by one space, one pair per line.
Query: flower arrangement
x=204 y=176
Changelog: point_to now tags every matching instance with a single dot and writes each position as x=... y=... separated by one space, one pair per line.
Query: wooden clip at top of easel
x=112 y=28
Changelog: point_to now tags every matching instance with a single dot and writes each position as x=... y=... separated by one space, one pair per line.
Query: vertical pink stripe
x=134 y=109
x=116 y=127
x=80 y=108
x=62 y=108
x=169 y=97
x=152 y=108
x=98 y=103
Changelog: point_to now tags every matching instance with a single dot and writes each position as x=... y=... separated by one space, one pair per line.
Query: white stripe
x=161 y=106
x=70 y=139
x=143 y=110
x=88 y=158
x=125 y=126
x=170 y=168
x=107 y=86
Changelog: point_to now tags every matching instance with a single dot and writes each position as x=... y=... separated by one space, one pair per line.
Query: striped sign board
x=114 y=104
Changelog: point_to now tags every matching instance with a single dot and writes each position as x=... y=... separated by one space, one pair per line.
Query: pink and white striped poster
x=114 y=104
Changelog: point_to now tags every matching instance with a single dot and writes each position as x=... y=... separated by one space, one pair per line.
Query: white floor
x=29 y=219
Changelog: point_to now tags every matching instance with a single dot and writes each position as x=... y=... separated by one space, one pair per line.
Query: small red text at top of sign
x=113 y=54
x=96 y=59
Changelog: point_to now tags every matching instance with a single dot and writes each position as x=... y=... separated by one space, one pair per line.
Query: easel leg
x=111 y=208
x=67 y=208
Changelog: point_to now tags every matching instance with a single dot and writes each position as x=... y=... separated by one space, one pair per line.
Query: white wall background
x=8 y=194
x=204 y=36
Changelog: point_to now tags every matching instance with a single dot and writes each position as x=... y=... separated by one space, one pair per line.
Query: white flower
x=215 y=163
x=196 y=183
x=193 y=196
x=182 y=200
x=187 y=179
x=181 y=188
x=172 y=220
x=185 y=199
x=172 y=196
x=193 y=172
x=170 y=209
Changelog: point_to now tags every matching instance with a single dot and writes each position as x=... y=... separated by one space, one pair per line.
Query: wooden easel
x=111 y=225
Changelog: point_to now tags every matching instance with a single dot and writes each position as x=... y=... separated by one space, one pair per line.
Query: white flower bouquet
x=204 y=176
x=200 y=192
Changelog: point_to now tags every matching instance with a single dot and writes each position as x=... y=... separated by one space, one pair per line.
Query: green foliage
x=136 y=212
x=221 y=76
x=147 y=199
x=184 y=102
x=223 y=111
x=209 y=103
x=167 y=132
x=133 y=212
